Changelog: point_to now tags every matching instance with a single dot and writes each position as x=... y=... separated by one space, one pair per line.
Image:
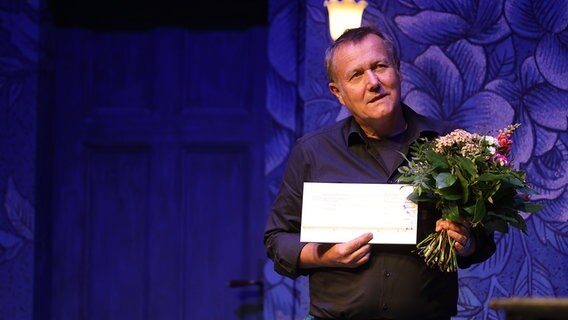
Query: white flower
x=492 y=143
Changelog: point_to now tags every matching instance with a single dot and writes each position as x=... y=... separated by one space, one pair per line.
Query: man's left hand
x=460 y=231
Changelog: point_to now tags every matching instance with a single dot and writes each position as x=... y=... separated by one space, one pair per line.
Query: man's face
x=366 y=80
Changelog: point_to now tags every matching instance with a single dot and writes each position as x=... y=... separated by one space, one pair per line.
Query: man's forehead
x=351 y=51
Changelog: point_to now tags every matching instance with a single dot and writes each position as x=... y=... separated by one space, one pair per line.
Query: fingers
x=460 y=231
x=457 y=231
x=363 y=253
x=359 y=241
x=353 y=253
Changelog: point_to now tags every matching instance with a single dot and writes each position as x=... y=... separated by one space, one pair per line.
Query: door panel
x=158 y=178
x=116 y=229
x=215 y=237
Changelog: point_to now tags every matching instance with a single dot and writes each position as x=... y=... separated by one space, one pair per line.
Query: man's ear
x=335 y=91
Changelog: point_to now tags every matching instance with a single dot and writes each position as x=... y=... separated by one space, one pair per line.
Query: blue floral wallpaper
x=19 y=55
x=481 y=64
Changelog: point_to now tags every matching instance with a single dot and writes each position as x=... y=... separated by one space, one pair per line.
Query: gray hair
x=356 y=35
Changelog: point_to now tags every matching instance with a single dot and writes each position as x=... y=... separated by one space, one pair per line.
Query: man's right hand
x=339 y=255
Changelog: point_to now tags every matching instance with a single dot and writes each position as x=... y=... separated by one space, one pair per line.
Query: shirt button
x=387 y=274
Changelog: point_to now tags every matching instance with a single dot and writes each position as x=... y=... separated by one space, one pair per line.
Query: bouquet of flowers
x=467 y=176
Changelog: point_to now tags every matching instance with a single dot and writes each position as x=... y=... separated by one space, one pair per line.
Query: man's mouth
x=378 y=97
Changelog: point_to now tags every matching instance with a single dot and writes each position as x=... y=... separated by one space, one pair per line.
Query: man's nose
x=373 y=81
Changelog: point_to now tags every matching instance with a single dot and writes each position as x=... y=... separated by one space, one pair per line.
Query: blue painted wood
x=158 y=179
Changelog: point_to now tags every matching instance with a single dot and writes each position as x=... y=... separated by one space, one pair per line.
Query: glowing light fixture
x=343 y=15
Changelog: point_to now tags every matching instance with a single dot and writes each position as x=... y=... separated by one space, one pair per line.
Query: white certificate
x=339 y=212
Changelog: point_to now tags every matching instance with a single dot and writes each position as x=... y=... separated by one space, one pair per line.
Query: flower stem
x=438 y=251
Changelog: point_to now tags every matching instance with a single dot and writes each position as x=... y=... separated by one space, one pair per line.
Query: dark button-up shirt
x=395 y=283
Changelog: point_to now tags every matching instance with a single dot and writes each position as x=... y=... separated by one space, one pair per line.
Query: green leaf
x=467 y=166
x=464 y=186
x=470 y=210
x=406 y=179
x=450 y=194
x=503 y=192
x=531 y=207
x=491 y=176
x=519 y=223
x=451 y=212
x=436 y=160
x=513 y=218
x=480 y=210
x=417 y=196
x=526 y=190
x=445 y=180
x=514 y=181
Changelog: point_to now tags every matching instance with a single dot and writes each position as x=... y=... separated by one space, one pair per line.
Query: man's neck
x=384 y=128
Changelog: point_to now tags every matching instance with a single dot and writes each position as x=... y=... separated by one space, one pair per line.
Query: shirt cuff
x=287 y=254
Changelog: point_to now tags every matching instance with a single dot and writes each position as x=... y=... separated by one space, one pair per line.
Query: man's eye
x=381 y=66
x=356 y=75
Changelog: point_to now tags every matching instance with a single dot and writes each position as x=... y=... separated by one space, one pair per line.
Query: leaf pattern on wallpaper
x=523 y=140
x=549 y=57
x=496 y=290
x=551 y=233
x=529 y=75
x=547 y=23
x=469 y=303
x=501 y=60
x=320 y=112
x=19 y=210
x=523 y=19
x=548 y=174
x=437 y=87
x=492 y=314
x=376 y=14
x=19 y=55
x=433 y=27
x=545 y=140
x=277 y=149
x=282 y=52
x=532 y=280
x=444 y=22
x=498 y=262
x=10 y=246
x=471 y=63
x=546 y=100
x=282 y=108
x=280 y=294
x=494 y=33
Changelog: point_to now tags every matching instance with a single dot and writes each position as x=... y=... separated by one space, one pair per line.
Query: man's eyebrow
x=349 y=73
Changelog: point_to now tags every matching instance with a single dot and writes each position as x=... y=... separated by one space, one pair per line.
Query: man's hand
x=340 y=255
x=460 y=231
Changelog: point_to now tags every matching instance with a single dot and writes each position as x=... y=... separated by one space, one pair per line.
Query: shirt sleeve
x=484 y=248
x=282 y=232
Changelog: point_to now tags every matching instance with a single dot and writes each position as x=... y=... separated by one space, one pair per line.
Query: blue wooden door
x=158 y=174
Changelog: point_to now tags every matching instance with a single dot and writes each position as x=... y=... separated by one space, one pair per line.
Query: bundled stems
x=438 y=250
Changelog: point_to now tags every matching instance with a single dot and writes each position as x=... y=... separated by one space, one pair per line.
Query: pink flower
x=500 y=159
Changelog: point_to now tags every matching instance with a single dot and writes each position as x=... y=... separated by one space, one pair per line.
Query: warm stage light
x=343 y=15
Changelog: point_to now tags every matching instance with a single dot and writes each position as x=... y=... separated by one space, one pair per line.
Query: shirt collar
x=416 y=128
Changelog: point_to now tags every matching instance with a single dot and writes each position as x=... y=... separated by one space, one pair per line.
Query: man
x=357 y=280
